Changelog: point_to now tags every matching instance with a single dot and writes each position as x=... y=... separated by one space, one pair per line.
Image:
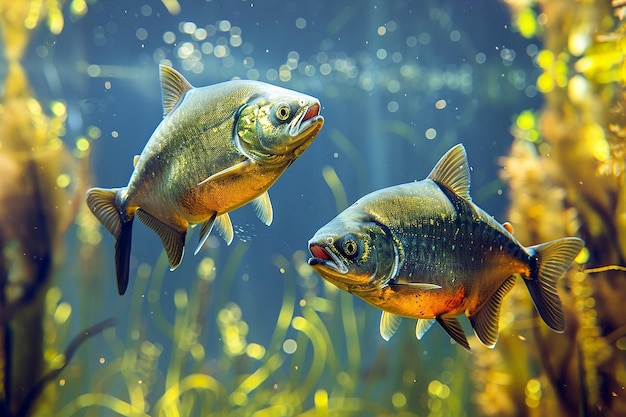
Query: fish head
x=277 y=125
x=354 y=252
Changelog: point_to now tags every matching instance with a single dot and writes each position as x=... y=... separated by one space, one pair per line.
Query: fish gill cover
x=250 y=329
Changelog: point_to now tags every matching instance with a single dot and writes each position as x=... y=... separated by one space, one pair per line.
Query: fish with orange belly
x=423 y=250
x=217 y=148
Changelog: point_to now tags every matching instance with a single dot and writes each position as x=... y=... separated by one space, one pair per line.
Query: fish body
x=424 y=250
x=217 y=148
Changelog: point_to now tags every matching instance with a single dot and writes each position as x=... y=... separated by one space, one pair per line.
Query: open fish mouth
x=324 y=257
x=307 y=123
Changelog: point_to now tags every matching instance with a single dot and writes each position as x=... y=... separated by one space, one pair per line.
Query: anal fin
x=422 y=326
x=173 y=240
x=224 y=227
x=452 y=326
x=263 y=208
x=389 y=324
x=485 y=321
x=205 y=231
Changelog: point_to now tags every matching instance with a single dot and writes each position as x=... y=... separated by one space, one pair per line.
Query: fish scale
x=424 y=250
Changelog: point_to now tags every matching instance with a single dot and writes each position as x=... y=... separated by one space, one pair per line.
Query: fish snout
x=322 y=255
x=313 y=110
x=318 y=252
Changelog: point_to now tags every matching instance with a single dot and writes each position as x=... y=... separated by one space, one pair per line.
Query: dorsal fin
x=173 y=87
x=452 y=171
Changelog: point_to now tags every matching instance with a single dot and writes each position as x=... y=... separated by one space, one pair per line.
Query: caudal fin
x=552 y=260
x=103 y=204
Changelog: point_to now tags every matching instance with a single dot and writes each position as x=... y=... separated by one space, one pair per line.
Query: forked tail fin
x=104 y=205
x=551 y=261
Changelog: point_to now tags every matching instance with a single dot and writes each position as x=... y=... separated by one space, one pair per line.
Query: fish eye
x=350 y=247
x=282 y=112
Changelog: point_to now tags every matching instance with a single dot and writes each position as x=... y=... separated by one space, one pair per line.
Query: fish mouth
x=326 y=258
x=313 y=110
x=307 y=124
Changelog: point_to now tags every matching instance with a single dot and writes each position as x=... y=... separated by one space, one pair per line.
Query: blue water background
x=105 y=66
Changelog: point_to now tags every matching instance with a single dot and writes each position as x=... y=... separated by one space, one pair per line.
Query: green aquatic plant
x=565 y=173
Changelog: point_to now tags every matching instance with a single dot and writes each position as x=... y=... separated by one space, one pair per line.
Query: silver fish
x=217 y=148
x=423 y=250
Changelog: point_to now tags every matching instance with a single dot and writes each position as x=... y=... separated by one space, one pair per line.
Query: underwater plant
x=42 y=182
x=565 y=174
x=197 y=346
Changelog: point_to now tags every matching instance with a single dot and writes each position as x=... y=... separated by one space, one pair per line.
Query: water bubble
x=185 y=50
x=393 y=106
x=220 y=51
x=301 y=23
x=508 y=55
x=187 y=27
x=411 y=41
x=253 y=74
x=480 y=58
x=430 y=133
x=290 y=346
x=141 y=34
x=236 y=41
x=393 y=86
x=271 y=74
x=455 y=36
x=248 y=62
x=169 y=37
x=223 y=25
x=325 y=69
x=206 y=48
x=200 y=34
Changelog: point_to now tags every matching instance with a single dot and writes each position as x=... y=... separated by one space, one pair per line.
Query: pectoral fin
x=389 y=324
x=173 y=240
x=452 y=326
x=485 y=321
x=423 y=325
x=263 y=208
x=418 y=285
x=231 y=174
